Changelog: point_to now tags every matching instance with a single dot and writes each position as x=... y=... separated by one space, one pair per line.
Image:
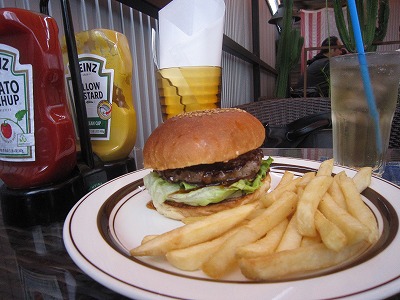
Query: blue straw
x=364 y=73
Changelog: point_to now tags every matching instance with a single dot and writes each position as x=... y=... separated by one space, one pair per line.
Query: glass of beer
x=184 y=89
x=355 y=140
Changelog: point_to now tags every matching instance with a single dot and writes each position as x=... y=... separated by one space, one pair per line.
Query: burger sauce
x=37 y=139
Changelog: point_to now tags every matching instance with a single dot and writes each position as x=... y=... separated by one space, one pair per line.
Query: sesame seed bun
x=202 y=137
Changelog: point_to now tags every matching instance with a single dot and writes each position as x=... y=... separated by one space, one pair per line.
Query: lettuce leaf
x=248 y=186
x=158 y=188
x=161 y=190
x=204 y=196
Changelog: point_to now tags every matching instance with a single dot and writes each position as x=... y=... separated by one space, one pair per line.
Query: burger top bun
x=202 y=137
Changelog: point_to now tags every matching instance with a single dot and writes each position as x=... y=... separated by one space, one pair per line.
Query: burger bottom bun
x=179 y=211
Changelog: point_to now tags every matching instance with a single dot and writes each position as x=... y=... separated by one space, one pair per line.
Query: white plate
x=112 y=219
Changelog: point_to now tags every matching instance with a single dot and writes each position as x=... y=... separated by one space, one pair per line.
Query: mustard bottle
x=106 y=70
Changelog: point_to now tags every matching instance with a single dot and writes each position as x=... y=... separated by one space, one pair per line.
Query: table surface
x=35 y=265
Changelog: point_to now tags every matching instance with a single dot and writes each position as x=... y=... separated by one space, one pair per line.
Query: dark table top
x=35 y=265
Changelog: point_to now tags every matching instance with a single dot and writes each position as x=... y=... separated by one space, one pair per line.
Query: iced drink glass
x=184 y=89
x=355 y=143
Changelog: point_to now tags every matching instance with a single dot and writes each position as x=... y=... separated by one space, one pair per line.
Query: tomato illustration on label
x=5 y=127
x=6 y=130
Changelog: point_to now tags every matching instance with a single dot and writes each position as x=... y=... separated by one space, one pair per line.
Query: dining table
x=34 y=262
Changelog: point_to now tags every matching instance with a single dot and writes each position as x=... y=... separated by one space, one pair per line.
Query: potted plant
x=373 y=16
x=289 y=50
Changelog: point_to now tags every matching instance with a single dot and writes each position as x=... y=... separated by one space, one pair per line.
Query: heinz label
x=98 y=85
x=17 y=139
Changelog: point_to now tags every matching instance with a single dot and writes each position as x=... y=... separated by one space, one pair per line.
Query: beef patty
x=245 y=166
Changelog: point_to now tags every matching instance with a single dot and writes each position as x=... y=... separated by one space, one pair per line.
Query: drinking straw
x=364 y=73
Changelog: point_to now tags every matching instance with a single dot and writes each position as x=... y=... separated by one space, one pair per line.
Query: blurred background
x=249 y=46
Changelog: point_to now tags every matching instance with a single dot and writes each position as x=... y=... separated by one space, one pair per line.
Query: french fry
x=358 y=208
x=330 y=233
x=286 y=178
x=266 y=244
x=255 y=213
x=148 y=238
x=308 y=204
x=224 y=260
x=272 y=196
x=306 y=178
x=188 y=220
x=362 y=179
x=354 y=230
x=291 y=239
x=339 y=176
x=299 y=191
x=192 y=258
x=274 y=214
x=194 y=233
x=306 y=223
x=325 y=168
x=310 y=240
x=336 y=193
x=299 y=260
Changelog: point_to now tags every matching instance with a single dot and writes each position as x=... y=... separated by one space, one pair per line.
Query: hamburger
x=205 y=161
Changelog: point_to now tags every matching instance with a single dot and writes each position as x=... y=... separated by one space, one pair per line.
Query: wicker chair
x=279 y=112
x=394 y=141
x=282 y=111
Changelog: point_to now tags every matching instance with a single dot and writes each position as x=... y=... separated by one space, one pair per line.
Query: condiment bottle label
x=17 y=139
x=97 y=84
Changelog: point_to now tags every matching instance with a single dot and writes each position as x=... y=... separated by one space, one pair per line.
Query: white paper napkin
x=190 y=33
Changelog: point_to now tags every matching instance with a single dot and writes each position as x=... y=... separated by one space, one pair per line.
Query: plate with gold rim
x=106 y=223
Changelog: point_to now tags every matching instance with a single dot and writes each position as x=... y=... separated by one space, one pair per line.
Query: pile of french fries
x=305 y=224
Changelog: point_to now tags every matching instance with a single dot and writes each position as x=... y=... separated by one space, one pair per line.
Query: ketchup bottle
x=37 y=139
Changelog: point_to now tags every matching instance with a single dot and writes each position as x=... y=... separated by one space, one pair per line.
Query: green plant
x=373 y=16
x=289 y=50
